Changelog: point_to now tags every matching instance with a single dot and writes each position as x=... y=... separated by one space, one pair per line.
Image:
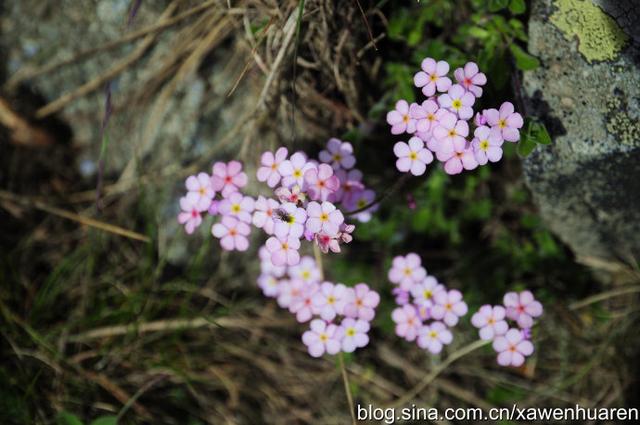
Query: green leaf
x=517 y=6
x=542 y=136
x=478 y=32
x=495 y=5
x=105 y=420
x=524 y=61
x=66 y=418
x=526 y=145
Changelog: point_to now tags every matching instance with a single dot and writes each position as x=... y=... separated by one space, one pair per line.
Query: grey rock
x=587 y=183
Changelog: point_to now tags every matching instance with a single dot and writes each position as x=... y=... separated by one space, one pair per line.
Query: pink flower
x=228 y=178
x=302 y=306
x=284 y=251
x=339 y=154
x=330 y=300
x=305 y=271
x=266 y=266
x=407 y=322
x=200 y=191
x=423 y=293
x=400 y=295
x=432 y=77
x=232 y=233
x=270 y=285
x=407 y=271
x=293 y=194
x=400 y=120
x=490 y=321
x=522 y=308
x=270 y=163
x=412 y=157
x=425 y=115
x=327 y=242
x=321 y=338
x=263 y=214
x=350 y=183
x=324 y=218
x=289 y=221
x=487 y=145
x=512 y=348
x=289 y=291
x=344 y=235
x=190 y=215
x=433 y=337
x=354 y=334
x=448 y=307
x=293 y=169
x=450 y=134
x=455 y=162
x=238 y=206
x=506 y=121
x=321 y=182
x=361 y=302
x=361 y=199
x=471 y=78
x=459 y=101
x=479 y=119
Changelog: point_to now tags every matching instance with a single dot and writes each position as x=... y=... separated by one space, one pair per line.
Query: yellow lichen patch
x=599 y=36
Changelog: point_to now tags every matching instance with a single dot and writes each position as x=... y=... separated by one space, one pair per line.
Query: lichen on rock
x=599 y=36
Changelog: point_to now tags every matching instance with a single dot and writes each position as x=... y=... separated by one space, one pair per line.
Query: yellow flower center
x=306 y=274
x=405 y=119
x=502 y=123
x=452 y=132
x=235 y=208
x=427 y=294
x=413 y=156
x=407 y=271
x=351 y=331
x=297 y=173
x=337 y=157
x=484 y=145
x=324 y=337
x=324 y=217
x=331 y=299
x=433 y=77
x=433 y=334
x=456 y=104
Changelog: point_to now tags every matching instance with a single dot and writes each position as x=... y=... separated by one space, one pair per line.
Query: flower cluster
x=427 y=309
x=305 y=201
x=511 y=344
x=339 y=315
x=440 y=125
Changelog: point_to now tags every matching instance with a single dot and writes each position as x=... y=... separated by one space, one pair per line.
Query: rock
x=587 y=91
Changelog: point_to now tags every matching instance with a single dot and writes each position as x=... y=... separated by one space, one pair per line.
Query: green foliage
x=105 y=420
x=524 y=60
x=66 y=418
x=534 y=133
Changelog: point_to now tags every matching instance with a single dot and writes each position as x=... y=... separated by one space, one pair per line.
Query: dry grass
x=96 y=323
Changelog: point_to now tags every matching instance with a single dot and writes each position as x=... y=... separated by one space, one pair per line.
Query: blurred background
x=109 y=313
